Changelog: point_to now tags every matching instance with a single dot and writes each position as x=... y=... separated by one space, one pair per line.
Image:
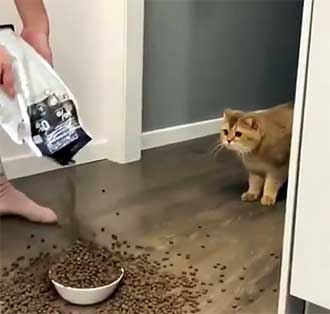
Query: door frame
x=125 y=125
x=287 y=302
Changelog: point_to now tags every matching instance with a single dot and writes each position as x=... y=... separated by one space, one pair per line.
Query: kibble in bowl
x=85 y=274
x=86 y=296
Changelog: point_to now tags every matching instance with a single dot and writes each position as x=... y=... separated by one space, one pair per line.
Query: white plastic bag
x=44 y=113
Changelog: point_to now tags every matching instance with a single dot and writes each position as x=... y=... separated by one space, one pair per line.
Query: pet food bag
x=44 y=113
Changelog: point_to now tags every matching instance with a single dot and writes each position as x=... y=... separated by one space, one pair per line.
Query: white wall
x=88 y=40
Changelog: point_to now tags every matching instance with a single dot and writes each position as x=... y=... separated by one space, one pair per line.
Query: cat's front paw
x=249 y=197
x=267 y=200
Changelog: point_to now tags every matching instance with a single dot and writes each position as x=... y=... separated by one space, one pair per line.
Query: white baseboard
x=29 y=164
x=180 y=133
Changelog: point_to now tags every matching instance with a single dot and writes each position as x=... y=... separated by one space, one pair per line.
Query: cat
x=262 y=140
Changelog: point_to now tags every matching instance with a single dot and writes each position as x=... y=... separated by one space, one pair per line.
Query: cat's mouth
x=237 y=148
x=230 y=146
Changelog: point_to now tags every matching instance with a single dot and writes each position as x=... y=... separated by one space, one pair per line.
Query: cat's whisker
x=217 y=149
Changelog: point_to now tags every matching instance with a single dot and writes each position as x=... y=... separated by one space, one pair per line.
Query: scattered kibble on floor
x=27 y=290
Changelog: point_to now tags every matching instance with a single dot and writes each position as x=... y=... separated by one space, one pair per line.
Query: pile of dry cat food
x=146 y=287
x=86 y=265
x=28 y=290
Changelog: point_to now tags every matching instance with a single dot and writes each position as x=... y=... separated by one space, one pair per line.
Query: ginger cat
x=262 y=140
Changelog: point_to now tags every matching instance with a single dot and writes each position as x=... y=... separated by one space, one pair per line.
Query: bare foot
x=249 y=197
x=14 y=202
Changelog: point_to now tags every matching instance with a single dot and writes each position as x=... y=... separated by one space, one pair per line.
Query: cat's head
x=240 y=131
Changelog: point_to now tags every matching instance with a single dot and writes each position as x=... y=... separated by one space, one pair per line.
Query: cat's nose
x=229 y=141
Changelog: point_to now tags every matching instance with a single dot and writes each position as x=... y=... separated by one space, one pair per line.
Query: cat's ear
x=251 y=121
x=229 y=114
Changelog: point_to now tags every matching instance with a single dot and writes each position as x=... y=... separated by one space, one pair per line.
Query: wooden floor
x=177 y=193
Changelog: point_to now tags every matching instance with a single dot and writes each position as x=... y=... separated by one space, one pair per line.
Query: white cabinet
x=310 y=272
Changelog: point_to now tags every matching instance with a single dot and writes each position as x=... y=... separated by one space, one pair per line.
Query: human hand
x=6 y=73
x=39 y=41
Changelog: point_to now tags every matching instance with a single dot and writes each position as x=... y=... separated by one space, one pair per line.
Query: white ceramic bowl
x=87 y=296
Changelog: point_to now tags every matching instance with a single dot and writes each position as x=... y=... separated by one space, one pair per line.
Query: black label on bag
x=55 y=129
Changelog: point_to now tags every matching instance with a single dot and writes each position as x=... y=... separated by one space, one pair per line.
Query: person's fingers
x=3 y=58
x=6 y=73
x=8 y=79
x=2 y=85
x=1 y=76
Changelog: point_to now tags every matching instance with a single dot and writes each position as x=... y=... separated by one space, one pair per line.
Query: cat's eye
x=225 y=132
x=238 y=134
